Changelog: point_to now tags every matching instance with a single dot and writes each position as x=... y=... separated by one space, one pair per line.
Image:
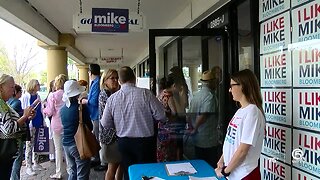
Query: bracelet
x=224 y=173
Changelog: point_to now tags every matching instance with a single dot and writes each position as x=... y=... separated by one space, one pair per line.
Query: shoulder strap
x=80 y=114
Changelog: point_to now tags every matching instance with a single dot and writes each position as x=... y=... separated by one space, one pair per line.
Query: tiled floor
x=50 y=169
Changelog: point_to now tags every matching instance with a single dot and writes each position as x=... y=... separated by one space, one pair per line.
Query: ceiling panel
x=158 y=13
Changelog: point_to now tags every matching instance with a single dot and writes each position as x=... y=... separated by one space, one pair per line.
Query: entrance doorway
x=194 y=51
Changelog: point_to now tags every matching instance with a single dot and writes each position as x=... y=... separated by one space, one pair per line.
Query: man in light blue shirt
x=132 y=111
x=204 y=116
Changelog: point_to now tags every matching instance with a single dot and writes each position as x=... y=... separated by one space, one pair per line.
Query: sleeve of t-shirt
x=250 y=128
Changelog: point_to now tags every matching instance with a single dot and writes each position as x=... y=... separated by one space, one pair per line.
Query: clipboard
x=180 y=169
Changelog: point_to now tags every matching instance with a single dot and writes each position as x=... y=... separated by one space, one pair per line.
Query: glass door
x=192 y=52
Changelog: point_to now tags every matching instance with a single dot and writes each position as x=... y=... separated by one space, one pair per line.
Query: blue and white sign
x=110 y=20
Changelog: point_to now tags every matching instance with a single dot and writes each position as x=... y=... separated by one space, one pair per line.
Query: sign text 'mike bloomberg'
x=110 y=20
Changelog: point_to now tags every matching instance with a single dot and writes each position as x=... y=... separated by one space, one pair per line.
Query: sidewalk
x=50 y=169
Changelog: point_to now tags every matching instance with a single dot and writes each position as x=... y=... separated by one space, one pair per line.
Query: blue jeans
x=15 y=173
x=78 y=169
x=96 y=125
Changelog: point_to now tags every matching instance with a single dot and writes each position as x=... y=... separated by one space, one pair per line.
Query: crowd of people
x=147 y=128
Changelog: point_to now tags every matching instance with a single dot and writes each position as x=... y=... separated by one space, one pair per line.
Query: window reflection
x=245 y=38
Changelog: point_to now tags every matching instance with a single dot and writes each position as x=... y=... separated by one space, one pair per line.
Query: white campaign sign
x=277 y=142
x=275 y=69
x=306 y=65
x=269 y=8
x=277 y=105
x=275 y=33
x=300 y=175
x=82 y=22
x=305 y=22
x=272 y=169
x=306 y=111
x=309 y=144
x=295 y=3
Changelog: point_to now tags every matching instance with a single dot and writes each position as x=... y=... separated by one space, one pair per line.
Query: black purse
x=8 y=148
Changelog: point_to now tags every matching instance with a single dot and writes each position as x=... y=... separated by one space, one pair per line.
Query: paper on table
x=180 y=169
x=202 y=178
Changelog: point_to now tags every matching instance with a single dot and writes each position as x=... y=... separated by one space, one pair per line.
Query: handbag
x=8 y=148
x=41 y=141
x=86 y=142
x=107 y=136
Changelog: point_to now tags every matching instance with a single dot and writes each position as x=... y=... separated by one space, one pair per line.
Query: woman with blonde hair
x=31 y=98
x=54 y=104
x=109 y=154
x=12 y=126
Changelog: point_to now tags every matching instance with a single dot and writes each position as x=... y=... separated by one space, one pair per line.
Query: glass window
x=141 y=70
x=146 y=68
x=172 y=56
x=245 y=39
x=192 y=62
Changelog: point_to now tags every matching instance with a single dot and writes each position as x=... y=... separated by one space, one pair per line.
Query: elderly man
x=204 y=118
x=132 y=111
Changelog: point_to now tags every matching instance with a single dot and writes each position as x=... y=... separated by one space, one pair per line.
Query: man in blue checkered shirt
x=132 y=111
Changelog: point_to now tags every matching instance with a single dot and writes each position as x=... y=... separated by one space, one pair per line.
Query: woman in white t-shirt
x=245 y=133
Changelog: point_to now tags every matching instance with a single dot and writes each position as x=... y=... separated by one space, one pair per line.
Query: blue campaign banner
x=110 y=20
x=41 y=140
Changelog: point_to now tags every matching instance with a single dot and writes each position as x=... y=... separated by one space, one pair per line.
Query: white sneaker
x=38 y=167
x=30 y=172
x=55 y=176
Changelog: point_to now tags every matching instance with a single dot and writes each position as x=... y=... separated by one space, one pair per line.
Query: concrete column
x=57 y=56
x=57 y=62
x=83 y=72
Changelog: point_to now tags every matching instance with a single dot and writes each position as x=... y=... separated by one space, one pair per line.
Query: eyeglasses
x=235 y=84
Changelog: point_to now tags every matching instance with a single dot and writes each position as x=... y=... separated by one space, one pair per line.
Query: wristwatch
x=224 y=173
